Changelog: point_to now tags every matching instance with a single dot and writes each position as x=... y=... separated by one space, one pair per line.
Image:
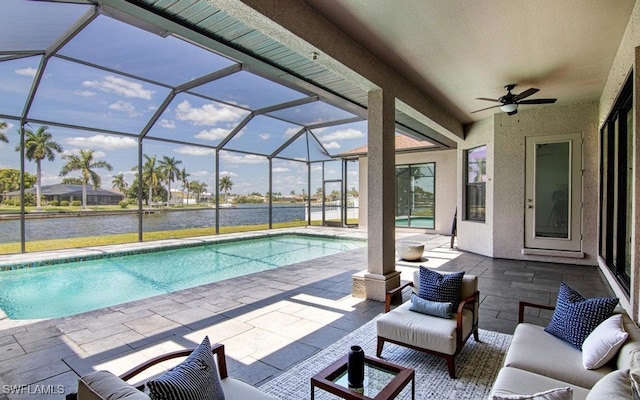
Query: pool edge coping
x=54 y=257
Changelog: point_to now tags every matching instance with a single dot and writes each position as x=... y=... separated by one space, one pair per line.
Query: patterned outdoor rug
x=477 y=367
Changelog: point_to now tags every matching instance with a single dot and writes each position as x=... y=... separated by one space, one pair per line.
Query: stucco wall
x=622 y=64
x=476 y=236
x=626 y=59
x=446 y=192
x=509 y=174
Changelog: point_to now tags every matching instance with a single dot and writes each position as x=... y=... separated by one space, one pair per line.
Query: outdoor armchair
x=442 y=337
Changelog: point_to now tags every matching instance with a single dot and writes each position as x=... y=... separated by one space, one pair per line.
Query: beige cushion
x=424 y=331
x=103 y=385
x=614 y=386
x=532 y=349
x=235 y=389
x=625 y=354
x=513 y=381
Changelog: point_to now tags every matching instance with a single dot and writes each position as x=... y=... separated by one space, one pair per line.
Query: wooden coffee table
x=382 y=380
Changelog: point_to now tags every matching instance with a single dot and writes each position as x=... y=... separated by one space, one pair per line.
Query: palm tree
x=185 y=183
x=225 y=185
x=38 y=146
x=197 y=188
x=3 y=136
x=151 y=175
x=119 y=183
x=171 y=172
x=84 y=163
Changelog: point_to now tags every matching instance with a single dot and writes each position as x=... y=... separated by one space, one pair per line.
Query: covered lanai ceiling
x=452 y=51
x=456 y=51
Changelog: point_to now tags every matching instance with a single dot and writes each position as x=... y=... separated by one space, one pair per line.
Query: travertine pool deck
x=268 y=321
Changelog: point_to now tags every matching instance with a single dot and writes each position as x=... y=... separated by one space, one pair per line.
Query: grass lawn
x=69 y=243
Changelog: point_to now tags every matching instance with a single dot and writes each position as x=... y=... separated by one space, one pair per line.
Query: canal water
x=56 y=228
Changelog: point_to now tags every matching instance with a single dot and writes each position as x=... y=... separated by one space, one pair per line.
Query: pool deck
x=268 y=321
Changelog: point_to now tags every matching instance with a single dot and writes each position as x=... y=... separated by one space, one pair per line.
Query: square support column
x=381 y=274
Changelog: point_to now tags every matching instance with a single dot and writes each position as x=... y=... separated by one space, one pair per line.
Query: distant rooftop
x=403 y=144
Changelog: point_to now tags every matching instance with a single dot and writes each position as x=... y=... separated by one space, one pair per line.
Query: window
x=616 y=172
x=415 y=195
x=476 y=179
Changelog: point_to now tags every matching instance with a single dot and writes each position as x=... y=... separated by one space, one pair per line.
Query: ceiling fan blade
x=488 y=108
x=488 y=99
x=525 y=94
x=538 y=101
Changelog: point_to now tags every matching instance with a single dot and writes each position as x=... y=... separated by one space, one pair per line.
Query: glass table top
x=375 y=379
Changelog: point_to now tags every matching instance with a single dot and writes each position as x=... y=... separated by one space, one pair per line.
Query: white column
x=381 y=274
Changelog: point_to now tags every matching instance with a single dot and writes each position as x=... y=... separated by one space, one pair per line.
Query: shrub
x=54 y=203
x=124 y=204
x=76 y=203
x=64 y=203
x=29 y=199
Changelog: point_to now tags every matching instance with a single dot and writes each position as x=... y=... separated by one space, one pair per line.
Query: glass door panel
x=415 y=196
x=552 y=190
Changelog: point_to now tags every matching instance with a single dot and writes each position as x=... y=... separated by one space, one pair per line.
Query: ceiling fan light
x=509 y=107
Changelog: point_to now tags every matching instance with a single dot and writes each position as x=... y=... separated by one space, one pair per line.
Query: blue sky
x=114 y=100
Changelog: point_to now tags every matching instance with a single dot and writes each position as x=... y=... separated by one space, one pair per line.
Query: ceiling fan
x=509 y=102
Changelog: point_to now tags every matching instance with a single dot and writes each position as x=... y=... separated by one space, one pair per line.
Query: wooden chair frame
x=217 y=349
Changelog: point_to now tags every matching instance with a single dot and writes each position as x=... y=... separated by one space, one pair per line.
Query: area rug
x=477 y=366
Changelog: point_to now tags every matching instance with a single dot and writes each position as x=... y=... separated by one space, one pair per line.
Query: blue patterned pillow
x=576 y=317
x=196 y=378
x=443 y=288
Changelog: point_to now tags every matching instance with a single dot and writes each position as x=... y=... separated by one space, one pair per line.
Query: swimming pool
x=415 y=222
x=71 y=288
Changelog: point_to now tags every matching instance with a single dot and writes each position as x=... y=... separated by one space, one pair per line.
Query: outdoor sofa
x=539 y=362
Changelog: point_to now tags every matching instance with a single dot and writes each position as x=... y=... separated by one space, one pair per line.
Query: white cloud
x=28 y=71
x=201 y=173
x=331 y=145
x=85 y=93
x=121 y=87
x=96 y=153
x=291 y=131
x=281 y=169
x=125 y=107
x=167 y=123
x=264 y=136
x=343 y=134
x=233 y=158
x=50 y=179
x=208 y=114
x=194 y=151
x=102 y=142
x=213 y=134
x=229 y=173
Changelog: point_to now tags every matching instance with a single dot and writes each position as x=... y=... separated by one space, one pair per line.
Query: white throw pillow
x=603 y=343
x=553 y=394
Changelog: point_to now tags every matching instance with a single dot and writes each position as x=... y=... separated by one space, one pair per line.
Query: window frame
x=614 y=209
x=478 y=186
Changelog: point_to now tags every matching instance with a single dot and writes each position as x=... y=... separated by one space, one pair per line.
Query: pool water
x=71 y=288
x=415 y=222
